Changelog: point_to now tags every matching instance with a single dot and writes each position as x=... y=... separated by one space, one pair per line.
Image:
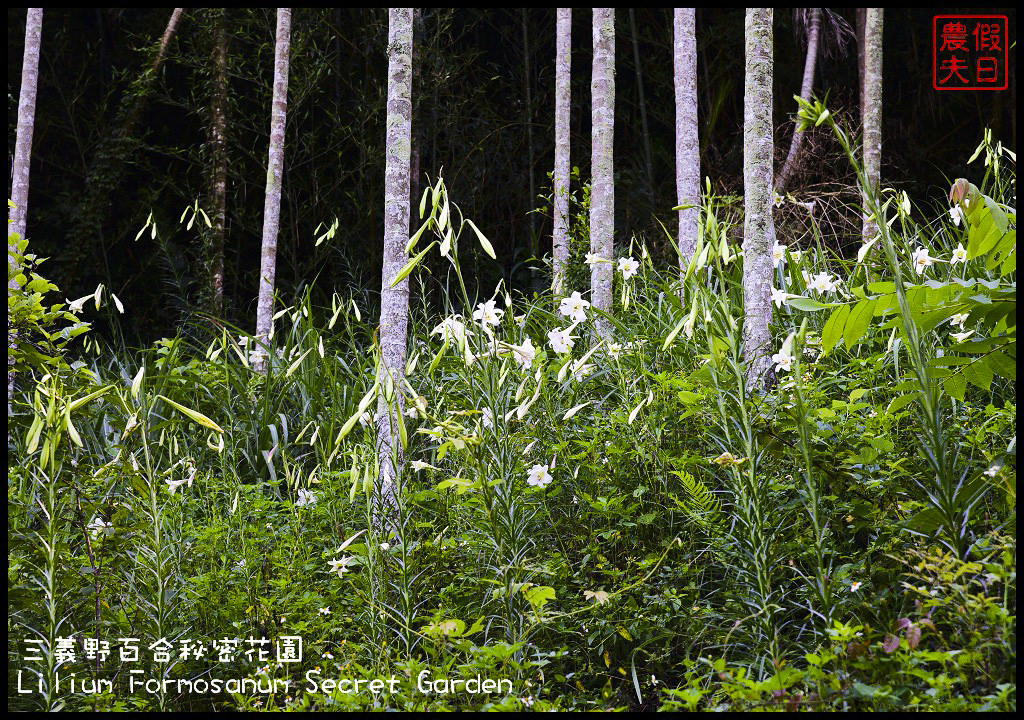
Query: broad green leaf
x=858 y=322
x=809 y=304
x=956 y=386
x=539 y=595
x=833 y=329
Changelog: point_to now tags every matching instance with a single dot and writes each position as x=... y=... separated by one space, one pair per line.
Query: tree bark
x=417 y=136
x=687 y=134
x=272 y=204
x=872 y=107
x=560 y=184
x=602 y=195
x=218 y=160
x=645 y=129
x=18 y=214
x=806 y=88
x=394 y=311
x=758 y=226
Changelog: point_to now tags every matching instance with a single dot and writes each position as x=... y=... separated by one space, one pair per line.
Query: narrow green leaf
x=193 y=414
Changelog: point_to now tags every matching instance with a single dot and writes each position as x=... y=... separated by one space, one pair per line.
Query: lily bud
x=959 y=192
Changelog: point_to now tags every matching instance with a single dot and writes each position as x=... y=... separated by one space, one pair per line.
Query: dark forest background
x=475 y=70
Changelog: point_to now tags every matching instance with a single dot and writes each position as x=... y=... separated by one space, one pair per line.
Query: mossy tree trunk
x=272 y=202
x=560 y=179
x=394 y=311
x=687 y=137
x=758 y=227
x=602 y=197
x=18 y=214
x=872 y=106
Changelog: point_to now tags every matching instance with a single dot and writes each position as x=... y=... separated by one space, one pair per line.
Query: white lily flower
x=560 y=340
x=75 y=306
x=539 y=476
x=958 y=319
x=594 y=259
x=783 y=361
x=305 y=498
x=959 y=255
x=628 y=267
x=453 y=329
x=524 y=354
x=574 y=307
x=780 y=298
x=956 y=214
x=822 y=282
x=340 y=566
x=921 y=259
x=961 y=336
x=778 y=254
x=487 y=314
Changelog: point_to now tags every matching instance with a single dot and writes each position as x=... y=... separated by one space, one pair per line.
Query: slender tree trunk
x=687 y=137
x=758 y=227
x=602 y=195
x=560 y=189
x=85 y=232
x=275 y=172
x=645 y=129
x=218 y=160
x=872 y=107
x=417 y=134
x=806 y=88
x=22 y=160
x=394 y=301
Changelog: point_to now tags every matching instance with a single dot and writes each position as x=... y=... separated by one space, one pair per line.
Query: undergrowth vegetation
x=604 y=523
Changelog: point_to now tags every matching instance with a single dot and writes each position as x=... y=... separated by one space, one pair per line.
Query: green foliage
x=612 y=525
